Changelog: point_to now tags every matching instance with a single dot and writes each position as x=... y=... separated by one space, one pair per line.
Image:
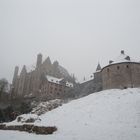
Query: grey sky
x=77 y=33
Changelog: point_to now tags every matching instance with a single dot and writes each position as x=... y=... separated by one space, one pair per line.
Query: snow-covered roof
x=122 y=58
x=68 y=84
x=53 y=79
x=58 y=80
x=87 y=80
x=98 y=67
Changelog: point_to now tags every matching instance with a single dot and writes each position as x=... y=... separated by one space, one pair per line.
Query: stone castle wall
x=30 y=82
x=121 y=75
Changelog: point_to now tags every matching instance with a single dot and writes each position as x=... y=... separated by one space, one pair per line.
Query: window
x=127 y=66
x=118 y=67
x=107 y=69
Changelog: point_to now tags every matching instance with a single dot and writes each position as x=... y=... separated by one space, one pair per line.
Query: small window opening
x=127 y=66
x=108 y=70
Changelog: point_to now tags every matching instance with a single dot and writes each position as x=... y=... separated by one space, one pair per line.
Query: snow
x=23 y=119
x=88 y=79
x=107 y=115
x=44 y=107
x=123 y=58
x=58 y=80
x=68 y=84
x=53 y=79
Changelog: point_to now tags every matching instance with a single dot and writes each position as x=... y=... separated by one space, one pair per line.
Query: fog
x=77 y=33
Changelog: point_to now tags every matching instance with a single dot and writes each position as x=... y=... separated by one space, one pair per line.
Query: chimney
x=122 y=51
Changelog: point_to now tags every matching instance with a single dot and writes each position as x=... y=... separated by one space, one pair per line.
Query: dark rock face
x=30 y=128
x=44 y=107
x=10 y=110
x=43 y=130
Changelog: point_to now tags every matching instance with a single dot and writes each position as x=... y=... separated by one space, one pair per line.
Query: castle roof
x=122 y=58
x=98 y=67
x=47 y=61
x=58 y=80
x=53 y=79
x=68 y=84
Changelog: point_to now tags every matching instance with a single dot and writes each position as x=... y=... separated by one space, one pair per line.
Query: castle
x=52 y=80
x=121 y=73
x=46 y=78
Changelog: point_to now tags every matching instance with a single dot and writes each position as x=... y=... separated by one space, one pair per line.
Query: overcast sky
x=77 y=33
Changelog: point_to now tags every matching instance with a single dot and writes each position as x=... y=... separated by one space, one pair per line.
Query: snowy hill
x=106 y=115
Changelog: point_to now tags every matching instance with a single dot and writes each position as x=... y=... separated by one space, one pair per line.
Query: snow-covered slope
x=106 y=115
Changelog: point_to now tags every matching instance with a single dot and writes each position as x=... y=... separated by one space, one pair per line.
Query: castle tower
x=98 y=67
x=14 y=86
x=39 y=60
x=23 y=71
x=22 y=79
x=15 y=75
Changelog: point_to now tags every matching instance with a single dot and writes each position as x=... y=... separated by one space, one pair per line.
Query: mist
x=77 y=33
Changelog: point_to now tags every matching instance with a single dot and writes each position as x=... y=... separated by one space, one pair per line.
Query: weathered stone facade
x=92 y=85
x=118 y=74
x=123 y=73
x=30 y=83
x=54 y=87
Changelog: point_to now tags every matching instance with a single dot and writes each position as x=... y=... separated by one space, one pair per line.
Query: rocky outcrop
x=30 y=128
x=44 y=107
x=28 y=118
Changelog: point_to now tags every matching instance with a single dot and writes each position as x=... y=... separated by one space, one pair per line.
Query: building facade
x=121 y=73
x=32 y=82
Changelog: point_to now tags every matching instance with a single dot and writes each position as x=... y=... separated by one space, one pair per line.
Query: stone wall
x=91 y=86
x=121 y=75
